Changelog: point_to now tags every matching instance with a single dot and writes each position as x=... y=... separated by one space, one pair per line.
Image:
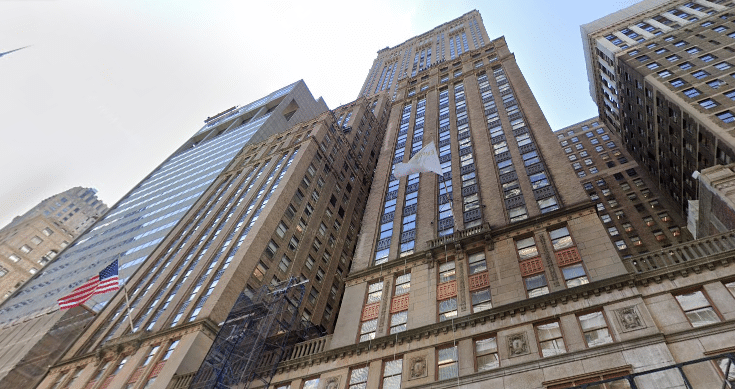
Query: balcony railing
x=459 y=235
x=681 y=253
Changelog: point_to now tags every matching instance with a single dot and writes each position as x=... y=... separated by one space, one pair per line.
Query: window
x=398 y=322
x=550 y=339
x=358 y=378
x=714 y=84
x=676 y=83
x=260 y=271
x=692 y=50
x=271 y=249
x=700 y=74
x=47 y=231
x=447 y=309
x=284 y=264
x=653 y=65
x=536 y=285
x=664 y=73
x=447 y=272
x=708 y=104
x=595 y=329
x=574 y=275
x=697 y=308
x=392 y=373
x=446 y=363
x=25 y=249
x=726 y=116
x=673 y=58
x=691 y=92
x=723 y=65
x=679 y=43
x=281 y=229
x=708 y=58
x=486 y=354
x=560 y=238
x=368 y=327
x=526 y=248
x=14 y=258
x=311 y=383
x=620 y=244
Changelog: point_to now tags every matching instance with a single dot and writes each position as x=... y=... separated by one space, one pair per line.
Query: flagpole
x=127 y=305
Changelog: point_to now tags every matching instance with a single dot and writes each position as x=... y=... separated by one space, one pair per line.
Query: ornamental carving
x=479 y=281
x=332 y=382
x=399 y=303
x=629 y=319
x=418 y=367
x=371 y=311
x=568 y=256
x=517 y=344
x=446 y=290
x=531 y=266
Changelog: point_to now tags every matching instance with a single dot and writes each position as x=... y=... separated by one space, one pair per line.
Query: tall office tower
x=34 y=331
x=443 y=43
x=517 y=284
x=638 y=220
x=660 y=74
x=288 y=206
x=32 y=240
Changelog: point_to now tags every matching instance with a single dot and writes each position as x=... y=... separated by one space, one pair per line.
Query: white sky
x=108 y=89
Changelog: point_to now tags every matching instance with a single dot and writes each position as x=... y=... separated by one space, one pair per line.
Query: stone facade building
x=32 y=240
x=34 y=333
x=528 y=295
x=637 y=218
x=288 y=206
x=660 y=73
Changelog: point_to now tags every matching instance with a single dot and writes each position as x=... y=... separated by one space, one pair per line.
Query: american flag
x=106 y=281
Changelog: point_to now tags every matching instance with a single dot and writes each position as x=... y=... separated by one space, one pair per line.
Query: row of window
x=549 y=335
x=109 y=369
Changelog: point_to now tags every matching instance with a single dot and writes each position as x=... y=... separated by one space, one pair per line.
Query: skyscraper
x=443 y=43
x=511 y=280
x=289 y=206
x=637 y=217
x=660 y=73
x=34 y=331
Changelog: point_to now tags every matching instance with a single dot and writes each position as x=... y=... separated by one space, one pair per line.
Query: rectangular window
x=446 y=363
x=486 y=354
x=550 y=339
x=358 y=378
x=536 y=285
x=691 y=92
x=699 y=74
x=392 y=371
x=708 y=104
x=676 y=83
x=726 y=116
x=260 y=271
x=312 y=383
x=447 y=309
x=284 y=264
x=447 y=272
x=697 y=308
x=527 y=248
x=481 y=300
x=398 y=322
x=595 y=329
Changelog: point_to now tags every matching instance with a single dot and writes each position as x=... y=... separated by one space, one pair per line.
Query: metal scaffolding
x=262 y=328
